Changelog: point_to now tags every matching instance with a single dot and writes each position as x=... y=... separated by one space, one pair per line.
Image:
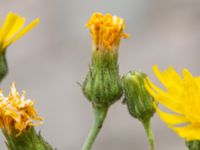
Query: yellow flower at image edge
x=106 y=31
x=182 y=97
x=12 y=29
x=17 y=113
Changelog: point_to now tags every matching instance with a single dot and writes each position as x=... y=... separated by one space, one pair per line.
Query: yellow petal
x=12 y=114
x=169 y=78
x=174 y=76
x=106 y=30
x=8 y=24
x=161 y=96
x=171 y=119
x=158 y=74
x=186 y=74
x=188 y=132
x=15 y=27
x=23 y=32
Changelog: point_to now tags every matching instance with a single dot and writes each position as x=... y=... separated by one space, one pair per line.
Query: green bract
x=102 y=84
x=28 y=140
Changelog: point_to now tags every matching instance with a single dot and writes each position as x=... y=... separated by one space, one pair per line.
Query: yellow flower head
x=12 y=29
x=17 y=113
x=106 y=31
x=182 y=97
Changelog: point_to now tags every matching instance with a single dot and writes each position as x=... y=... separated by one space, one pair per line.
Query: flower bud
x=102 y=85
x=139 y=101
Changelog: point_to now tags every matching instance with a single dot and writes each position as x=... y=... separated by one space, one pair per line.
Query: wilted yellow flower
x=182 y=97
x=17 y=113
x=12 y=29
x=106 y=31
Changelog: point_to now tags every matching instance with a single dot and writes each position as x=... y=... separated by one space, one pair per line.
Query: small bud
x=139 y=101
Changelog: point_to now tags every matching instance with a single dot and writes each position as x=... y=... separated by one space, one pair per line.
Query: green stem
x=193 y=145
x=148 y=130
x=99 y=117
x=3 y=66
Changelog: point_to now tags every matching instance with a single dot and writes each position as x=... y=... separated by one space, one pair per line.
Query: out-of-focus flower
x=17 y=120
x=12 y=29
x=182 y=97
x=106 y=31
x=16 y=113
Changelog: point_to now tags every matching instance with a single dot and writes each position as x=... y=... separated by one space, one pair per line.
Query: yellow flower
x=182 y=97
x=106 y=31
x=12 y=29
x=17 y=113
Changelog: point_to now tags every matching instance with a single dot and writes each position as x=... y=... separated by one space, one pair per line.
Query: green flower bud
x=102 y=85
x=139 y=101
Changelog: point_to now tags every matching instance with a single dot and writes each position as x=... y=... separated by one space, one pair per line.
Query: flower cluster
x=106 y=31
x=17 y=113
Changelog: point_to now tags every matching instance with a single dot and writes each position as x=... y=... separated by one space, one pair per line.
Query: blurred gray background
x=50 y=60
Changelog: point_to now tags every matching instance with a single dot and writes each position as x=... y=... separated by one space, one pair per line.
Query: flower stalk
x=99 y=117
x=149 y=133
